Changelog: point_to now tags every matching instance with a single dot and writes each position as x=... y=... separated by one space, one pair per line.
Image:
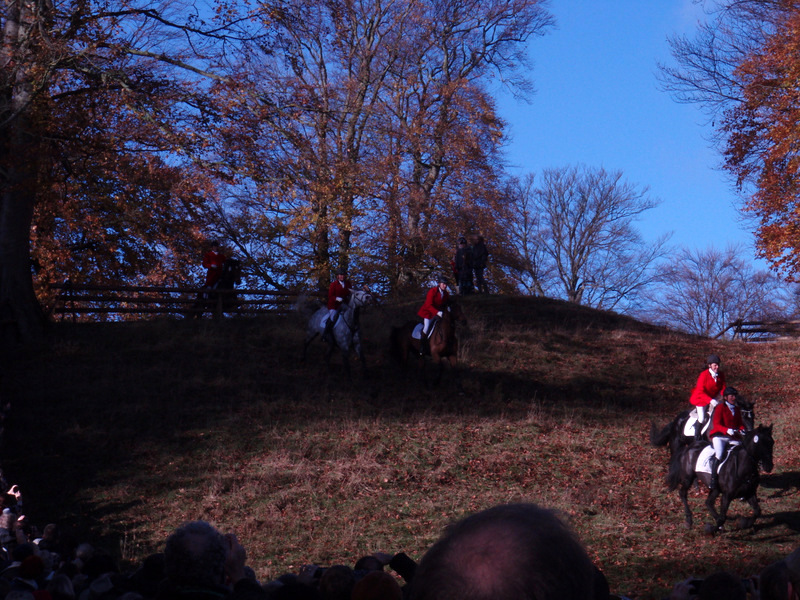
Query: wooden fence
x=74 y=300
x=763 y=331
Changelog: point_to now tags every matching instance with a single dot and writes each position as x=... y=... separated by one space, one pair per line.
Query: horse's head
x=362 y=297
x=748 y=414
x=231 y=272
x=456 y=313
x=758 y=443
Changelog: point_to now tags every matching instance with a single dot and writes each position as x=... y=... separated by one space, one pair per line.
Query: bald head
x=509 y=552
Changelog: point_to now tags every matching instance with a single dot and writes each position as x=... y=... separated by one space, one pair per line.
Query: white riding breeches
x=701 y=414
x=426 y=325
x=720 y=442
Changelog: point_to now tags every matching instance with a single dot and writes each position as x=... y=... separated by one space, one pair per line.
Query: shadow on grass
x=105 y=404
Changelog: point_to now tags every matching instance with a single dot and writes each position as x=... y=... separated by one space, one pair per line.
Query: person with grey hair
x=200 y=563
x=509 y=552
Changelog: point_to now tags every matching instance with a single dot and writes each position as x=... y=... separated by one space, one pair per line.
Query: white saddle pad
x=417 y=333
x=688 y=428
x=704 y=459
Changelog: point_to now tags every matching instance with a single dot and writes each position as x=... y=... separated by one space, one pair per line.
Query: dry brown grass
x=123 y=431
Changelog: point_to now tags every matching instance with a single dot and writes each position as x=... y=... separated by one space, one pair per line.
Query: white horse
x=346 y=333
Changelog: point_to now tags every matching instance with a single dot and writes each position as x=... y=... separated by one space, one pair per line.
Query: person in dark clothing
x=464 y=267
x=480 y=255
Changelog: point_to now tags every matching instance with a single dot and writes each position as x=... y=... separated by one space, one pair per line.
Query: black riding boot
x=714 y=463
x=698 y=430
x=423 y=344
x=327 y=335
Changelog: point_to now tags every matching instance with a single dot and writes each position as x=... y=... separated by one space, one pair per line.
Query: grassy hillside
x=123 y=431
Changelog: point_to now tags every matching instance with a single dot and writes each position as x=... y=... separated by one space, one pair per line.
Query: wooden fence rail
x=73 y=300
x=763 y=331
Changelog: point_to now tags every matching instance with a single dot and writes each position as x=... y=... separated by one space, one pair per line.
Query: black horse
x=680 y=431
x=442 y=340
x=738 y=474
x=221 y=298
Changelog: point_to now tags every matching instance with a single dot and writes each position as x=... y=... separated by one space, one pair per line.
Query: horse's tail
x=306 y=306
x=660 y=437
x=675 y=472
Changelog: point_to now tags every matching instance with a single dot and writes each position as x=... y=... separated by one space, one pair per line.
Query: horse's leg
x=439 y=362
x=196 y=311
x=753 y=502
x=722 y=516
x=687 y=512
x=346 y=363
x=711 y=505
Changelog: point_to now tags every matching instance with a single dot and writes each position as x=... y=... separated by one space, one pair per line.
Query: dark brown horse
x=442 y=343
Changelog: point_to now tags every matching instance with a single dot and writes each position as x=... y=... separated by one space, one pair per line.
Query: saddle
x=688 y=427
x=417 y=333
x=703 y=464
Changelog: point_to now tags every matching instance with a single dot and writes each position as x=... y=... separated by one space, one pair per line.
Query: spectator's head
x=781 y=580
x=773 y=582
x=61 y=588
x=146 y=578
x=722 y=586
x=32 y=568
x=195 y=555
x=377 y=585
x=23 y=551
x=99 y=563
x=368 y=563
x=83 y=552
x=505 y=553
x=337 y=583
x=295 y=591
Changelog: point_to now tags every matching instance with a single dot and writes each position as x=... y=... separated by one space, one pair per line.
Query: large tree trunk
x=21 y=316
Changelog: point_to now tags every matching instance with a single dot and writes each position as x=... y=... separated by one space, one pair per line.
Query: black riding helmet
x=713 y=358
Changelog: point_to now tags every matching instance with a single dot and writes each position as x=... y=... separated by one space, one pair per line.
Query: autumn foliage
x=763 y=138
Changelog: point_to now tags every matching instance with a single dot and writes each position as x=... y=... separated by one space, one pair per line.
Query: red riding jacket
x=435 y=301
x=338 y=292
x=706 y=388
x=724 y=418
x=213 y=261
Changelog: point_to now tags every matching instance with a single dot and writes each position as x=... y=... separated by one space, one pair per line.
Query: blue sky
x=598 y=103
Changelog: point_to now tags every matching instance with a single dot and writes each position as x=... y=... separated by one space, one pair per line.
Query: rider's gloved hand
x=730 y=431
x=713 y=402
x=439 y=314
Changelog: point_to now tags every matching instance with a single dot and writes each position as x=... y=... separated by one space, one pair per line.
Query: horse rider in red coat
x=338 y=293
x=213 y=261
x=707 y=391
x=436 y=301
x=727 y=423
